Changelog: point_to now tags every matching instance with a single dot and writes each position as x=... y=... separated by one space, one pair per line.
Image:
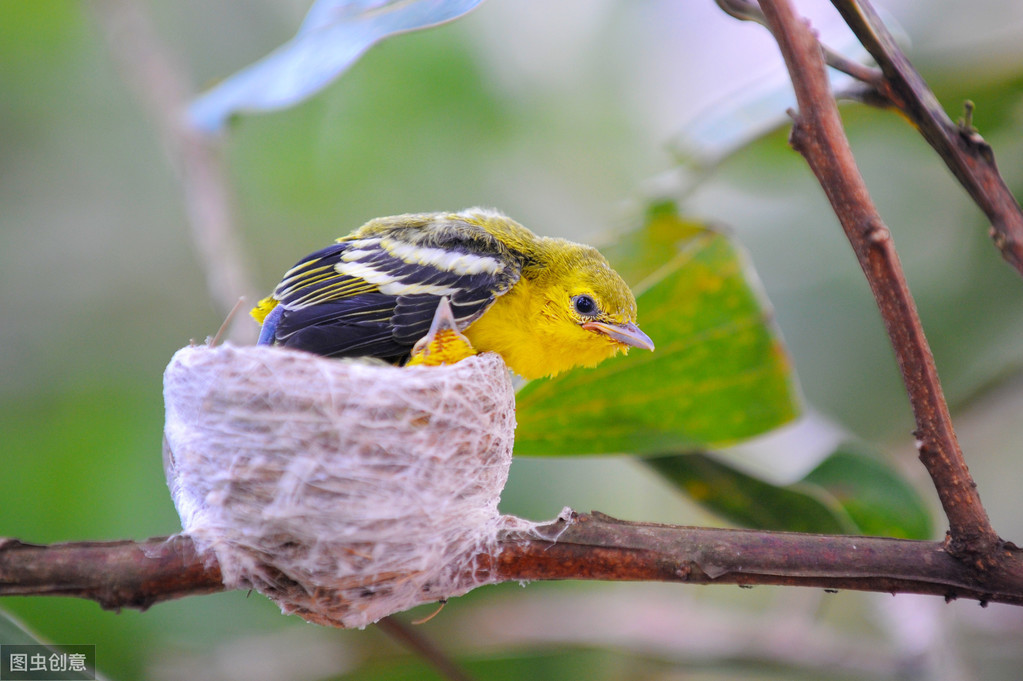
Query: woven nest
x=343 y=490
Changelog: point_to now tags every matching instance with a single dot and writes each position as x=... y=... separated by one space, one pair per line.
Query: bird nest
x=343 y=490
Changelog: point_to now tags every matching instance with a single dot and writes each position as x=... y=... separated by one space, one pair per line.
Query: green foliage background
x=99 y=285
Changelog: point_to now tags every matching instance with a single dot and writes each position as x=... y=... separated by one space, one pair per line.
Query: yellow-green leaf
x=852 y=491
x=719 y=373
x=751 y=502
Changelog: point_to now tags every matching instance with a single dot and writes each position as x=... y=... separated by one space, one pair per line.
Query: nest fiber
x=343 y=490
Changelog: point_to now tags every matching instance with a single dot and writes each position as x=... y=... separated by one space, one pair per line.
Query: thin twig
x=423 y=647
x=818 y=135
x=158 y=82
x=896 y=84
x=747 y=11
x=963 y=150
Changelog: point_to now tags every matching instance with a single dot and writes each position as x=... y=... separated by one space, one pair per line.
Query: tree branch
x=426 y=649
x=594 y=546
x=898 y=85
x=963 y=150
x=116 y=574
x=818 y=135
x=744 y=10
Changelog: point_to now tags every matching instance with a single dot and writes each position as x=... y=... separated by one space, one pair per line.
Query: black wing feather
x=375 y=292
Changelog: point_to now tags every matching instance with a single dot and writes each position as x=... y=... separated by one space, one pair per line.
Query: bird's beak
x=629 y=334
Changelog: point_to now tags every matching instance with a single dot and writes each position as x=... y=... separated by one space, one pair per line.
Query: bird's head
x=589 y=312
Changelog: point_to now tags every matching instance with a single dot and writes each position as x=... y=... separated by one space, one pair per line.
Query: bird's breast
x=533 y=342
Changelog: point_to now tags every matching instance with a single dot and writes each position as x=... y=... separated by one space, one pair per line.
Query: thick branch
x=599 y=547
x=964 y=151
x=818 y=135
x=118 y=574
x=589 y=546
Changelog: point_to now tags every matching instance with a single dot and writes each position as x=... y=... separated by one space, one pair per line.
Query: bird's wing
x=375 y=292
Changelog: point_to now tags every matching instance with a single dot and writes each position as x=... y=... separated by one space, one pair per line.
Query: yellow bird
x=544 y=304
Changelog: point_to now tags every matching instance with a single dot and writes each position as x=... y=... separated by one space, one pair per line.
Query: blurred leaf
x=333 y=36
x=13 y=632
x=850 y=492
x=874 y=495
x=719 y=373
x=748 y=501
x=536 y=664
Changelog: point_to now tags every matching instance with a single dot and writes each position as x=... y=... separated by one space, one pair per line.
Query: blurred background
x=570 y=117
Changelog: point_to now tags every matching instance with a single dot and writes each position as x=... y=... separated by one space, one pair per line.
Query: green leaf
x=719 y=373
x=748 y=501
x=850 y=492
x=527 y=660
x=875 y=496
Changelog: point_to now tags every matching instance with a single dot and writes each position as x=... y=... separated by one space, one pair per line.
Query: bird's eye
x=584 y=305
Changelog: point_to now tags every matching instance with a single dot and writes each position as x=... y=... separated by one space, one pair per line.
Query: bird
x=544 y=304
